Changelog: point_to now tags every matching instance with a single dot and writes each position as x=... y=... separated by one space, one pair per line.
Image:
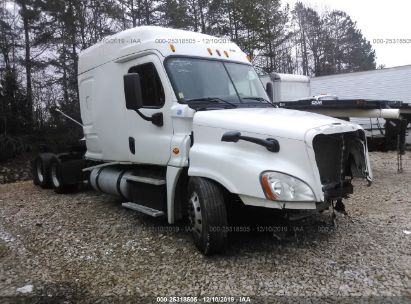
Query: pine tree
x=346 y=50
x=175 y=14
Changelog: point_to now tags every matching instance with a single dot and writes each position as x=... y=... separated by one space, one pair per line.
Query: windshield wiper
x=212 y=99
x=259 y=99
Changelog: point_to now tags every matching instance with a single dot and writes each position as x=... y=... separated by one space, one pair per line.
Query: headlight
x=282 y=187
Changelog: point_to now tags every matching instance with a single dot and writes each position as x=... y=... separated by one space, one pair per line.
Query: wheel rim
x=39 y=171
x=194 y=214
x=54 y=177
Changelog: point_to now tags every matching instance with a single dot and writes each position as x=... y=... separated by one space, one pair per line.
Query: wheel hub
x=194 y=214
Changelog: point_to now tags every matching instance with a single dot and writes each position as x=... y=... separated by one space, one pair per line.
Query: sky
x=378 y=20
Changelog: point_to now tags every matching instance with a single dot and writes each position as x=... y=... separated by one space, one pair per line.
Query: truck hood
x=277 y=122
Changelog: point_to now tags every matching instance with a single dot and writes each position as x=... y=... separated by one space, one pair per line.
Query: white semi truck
x=177 y=122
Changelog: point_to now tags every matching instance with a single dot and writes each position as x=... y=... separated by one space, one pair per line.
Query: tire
x=56 y=178
x=207 y=215
x=41 y=170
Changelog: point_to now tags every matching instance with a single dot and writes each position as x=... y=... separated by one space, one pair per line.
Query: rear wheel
x=41 y=170
x=56 y=178
x=207 y=215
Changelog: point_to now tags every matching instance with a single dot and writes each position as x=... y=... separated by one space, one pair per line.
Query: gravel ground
x=86 y=248
x=15 y=170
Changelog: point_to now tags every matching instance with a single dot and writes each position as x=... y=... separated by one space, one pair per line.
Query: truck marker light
x=265 y=180
x=226 y=54
x=210 y=51
x=248 y=58
x=176 y=151
x=218 y=52
x=172 y=47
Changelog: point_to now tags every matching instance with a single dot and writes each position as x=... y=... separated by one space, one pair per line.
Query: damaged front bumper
x=337 y=153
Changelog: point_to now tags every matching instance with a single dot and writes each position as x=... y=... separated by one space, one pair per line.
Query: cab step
x=143 y=209
x=146 y=180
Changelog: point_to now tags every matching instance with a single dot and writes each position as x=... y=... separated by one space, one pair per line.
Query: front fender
x=237 y=166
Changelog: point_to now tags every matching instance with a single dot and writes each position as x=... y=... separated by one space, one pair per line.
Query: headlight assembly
x=285 y=188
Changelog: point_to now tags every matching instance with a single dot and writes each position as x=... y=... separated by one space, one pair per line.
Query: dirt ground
x=86 y=248
x=17 y=169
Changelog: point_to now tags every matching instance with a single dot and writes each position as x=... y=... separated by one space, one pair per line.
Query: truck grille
x=339 y=157
x=333 y=162
x=330 y=158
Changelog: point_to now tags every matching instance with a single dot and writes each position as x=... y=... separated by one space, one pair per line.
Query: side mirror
x=134 y=98
x=269 y=90
x=132 y=91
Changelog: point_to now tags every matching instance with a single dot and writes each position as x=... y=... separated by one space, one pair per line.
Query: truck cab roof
x=125 y=45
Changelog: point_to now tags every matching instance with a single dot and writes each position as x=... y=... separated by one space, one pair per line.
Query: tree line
x=40 y=41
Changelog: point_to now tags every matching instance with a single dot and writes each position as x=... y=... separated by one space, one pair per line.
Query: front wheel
x=207 y=215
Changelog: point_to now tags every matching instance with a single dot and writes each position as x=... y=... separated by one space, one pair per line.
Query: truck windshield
x=201 y=80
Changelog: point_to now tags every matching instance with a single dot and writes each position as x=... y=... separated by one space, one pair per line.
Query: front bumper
x=265 y=203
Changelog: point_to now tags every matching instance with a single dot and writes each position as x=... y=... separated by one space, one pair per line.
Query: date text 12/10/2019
x=204 y=299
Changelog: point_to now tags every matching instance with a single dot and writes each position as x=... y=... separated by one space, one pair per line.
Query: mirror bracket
x=156 y=118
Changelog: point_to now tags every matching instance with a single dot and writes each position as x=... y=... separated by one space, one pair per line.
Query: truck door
x=148 y=143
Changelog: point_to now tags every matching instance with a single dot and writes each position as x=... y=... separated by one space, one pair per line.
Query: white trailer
x=384 y=84
x=176 y=123
x=287 y=87
x=392 y=87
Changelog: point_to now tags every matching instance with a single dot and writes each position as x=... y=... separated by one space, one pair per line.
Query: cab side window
x=151 y=88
